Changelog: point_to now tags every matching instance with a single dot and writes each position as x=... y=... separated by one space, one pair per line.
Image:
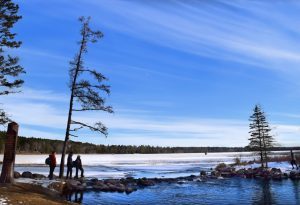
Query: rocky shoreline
x=130 y=184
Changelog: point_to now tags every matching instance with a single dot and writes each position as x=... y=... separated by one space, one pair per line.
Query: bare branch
x=106 y=109
x=98 y=127
x=73 y=135
x=75 y=129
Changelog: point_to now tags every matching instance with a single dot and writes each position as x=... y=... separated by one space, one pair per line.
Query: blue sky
x=183 y=73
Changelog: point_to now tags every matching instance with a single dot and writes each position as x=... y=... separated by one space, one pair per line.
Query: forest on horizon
x=33 y=145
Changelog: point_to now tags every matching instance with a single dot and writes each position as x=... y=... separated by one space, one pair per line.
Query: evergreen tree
x=85 y=92
x=9 y=67
x=261 y=140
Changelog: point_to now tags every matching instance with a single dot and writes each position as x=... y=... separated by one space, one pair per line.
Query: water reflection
x=76 y=197
x=296 y=190
x=263 y=193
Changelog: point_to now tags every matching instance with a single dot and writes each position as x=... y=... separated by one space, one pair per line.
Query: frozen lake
x=137 y=165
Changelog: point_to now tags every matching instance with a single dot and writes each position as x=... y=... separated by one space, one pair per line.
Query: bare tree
x=86 y=94
x=9 y=67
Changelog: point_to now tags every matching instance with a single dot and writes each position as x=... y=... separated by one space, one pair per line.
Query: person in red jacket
x=52 y=164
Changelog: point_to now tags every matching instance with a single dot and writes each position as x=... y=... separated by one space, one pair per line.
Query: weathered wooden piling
x=7 y=173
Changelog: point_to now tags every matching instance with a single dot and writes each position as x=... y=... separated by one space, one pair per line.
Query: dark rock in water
x=145 y=182
x=294 y=175
x=215 y=174
x=120 y=188
x=94 y=180
x=101 y=187
x=129 y=190
x=38 y=176
x=17 y=175
x=203 y=173
x=181 y=182
x=110 y=181
x=226 y=174
x=27 y=174
x=285 y=176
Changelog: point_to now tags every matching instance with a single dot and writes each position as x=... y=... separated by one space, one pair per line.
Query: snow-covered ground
x=284 y=166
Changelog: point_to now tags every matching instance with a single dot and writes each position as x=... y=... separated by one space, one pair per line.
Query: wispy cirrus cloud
x=245 y=32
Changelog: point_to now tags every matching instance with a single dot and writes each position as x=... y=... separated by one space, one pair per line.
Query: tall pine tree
x=87 y=87
x=261 y=140
x=9 y=67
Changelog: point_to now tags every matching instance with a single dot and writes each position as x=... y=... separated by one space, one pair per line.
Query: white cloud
x=44 y=118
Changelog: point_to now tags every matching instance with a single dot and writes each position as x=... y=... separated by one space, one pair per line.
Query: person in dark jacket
x=69 y=165
x=52 y=164
x=78 y=166
x=293 y=160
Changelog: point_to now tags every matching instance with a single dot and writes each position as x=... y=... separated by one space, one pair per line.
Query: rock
x=181 y=182
x=145 y=182
x=120 y=188
x=226 y=174
x=203 y=173
x=17 y=175
x=215 y=174
x=129 y=190
x=110 y=181
x=38 y=176
x=294 y=175
x=101 y=187
x=94 y=180
x=72 y=185
x=27 y=174
x=73 y=182
x=57 y=186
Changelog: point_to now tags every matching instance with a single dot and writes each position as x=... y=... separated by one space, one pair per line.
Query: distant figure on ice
x=78 y=165
x=293 y=160
x=69 y=165
x=52 y=164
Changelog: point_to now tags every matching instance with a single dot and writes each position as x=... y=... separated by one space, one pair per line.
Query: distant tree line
x=44 y=146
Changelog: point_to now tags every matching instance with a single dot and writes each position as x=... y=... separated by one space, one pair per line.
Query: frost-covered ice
x=138 y=165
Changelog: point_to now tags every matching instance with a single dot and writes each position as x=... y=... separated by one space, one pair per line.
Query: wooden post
x=7 y=174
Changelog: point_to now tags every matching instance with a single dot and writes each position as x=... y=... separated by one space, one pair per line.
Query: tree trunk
x=63 y=154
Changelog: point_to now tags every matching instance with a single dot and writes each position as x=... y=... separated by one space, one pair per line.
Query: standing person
x=293 y=160
x=78 y=165
x=52 y=164
x=69 y=165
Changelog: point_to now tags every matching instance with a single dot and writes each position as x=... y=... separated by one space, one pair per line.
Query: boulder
x=202 y=173
x=72 y=182
x=72 y=185
x=129 y=190
x=17 y=175
x=27 y=174
x=57 y=186
x=120 y=188
x=145 y=182
x=38 y=176
x=110 y=181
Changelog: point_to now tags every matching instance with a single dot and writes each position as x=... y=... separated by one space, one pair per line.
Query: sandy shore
x=29 y=194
